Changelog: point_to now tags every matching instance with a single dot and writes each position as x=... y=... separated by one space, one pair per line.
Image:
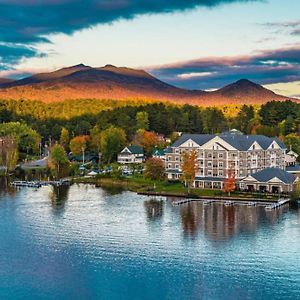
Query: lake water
x=82 y=242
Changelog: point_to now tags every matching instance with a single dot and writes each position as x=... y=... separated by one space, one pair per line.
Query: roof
x=159 y=152
x=295 y=168
x=135 y=149
x=270 y=173
x=239 y=141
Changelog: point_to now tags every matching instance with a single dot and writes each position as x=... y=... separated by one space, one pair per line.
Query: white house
x=131 y=155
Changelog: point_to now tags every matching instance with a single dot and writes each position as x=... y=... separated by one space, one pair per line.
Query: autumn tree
x=113 y=140
x=154 y=169
x=64 y=137
x=189 y=167
x=229 y=182
x=78 y=144
x=148 y=140
x=58 y=160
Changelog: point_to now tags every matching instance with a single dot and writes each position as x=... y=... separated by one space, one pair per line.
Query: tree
x=229 y=182
x=154 y=169
x=148 y=140
x=64 y=137
x=292 y=140
x=113 y=139
x=27 y=139
x=78 y=144
x=243 y=118
x=8 y=153
x=95 y=140
x=142 y=120
x=189 y=167
x=58 y=160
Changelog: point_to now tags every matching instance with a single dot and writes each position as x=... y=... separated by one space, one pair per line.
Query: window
x=209 y=155
x=209 y=163
x=209 y=172
x=220 y=155
x=220 y=173
x=220 y=164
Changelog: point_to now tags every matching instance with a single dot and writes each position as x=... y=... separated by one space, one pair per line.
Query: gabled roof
x=270 y=173
x=200 y=139
x=239 y=141
x=135 y=149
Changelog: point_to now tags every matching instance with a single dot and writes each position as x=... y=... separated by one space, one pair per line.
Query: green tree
x=142 y=120
x=64 y=137
x=95 y=138
x=243 y=118
x=59 y=161
x=28 y=140
x=113 y=140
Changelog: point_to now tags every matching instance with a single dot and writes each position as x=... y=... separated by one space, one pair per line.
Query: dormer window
x=253 y=147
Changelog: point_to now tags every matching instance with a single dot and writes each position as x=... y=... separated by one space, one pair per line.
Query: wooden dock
x=226 y=202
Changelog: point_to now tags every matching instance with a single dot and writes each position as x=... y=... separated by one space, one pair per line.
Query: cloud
x=267 y=67
x=289 y=27
x=11 y=54
x=28 y=22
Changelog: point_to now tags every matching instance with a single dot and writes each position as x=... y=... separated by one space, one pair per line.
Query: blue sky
x=200 y=44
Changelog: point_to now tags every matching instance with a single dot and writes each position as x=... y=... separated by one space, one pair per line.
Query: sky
x=195 y=44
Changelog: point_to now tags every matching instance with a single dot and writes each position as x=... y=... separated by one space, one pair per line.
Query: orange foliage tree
x=148 y=140
x=229 y=182
x=189 y=167
x=78 y=144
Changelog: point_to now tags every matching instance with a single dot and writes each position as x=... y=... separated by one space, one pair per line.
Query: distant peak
x=244 y=81
x=79 y=66
x=109 y=66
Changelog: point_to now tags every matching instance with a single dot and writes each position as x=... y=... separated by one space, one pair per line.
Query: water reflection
x=5 y=188
x=219 y=222
x=154 y=209
x=59 y=196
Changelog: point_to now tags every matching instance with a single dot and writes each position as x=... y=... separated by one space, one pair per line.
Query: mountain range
x=121 y=83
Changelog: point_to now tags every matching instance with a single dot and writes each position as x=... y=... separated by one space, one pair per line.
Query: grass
x=143 y=185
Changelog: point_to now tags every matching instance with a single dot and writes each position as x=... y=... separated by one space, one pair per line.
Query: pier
x=38 y=184
x=280 y=203
x=226 y=202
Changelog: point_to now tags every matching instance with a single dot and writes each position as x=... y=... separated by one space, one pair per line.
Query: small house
x=131 y=155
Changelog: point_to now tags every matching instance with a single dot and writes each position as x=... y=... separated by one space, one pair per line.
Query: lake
x=83 y=242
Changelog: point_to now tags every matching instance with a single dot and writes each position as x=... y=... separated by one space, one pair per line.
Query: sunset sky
x=202 y=44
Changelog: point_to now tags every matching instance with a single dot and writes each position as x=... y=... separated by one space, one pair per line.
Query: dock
x=278 y=204
x=38 y=184
x=226 y=202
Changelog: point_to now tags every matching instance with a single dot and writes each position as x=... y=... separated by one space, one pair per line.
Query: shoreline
x=163 y=189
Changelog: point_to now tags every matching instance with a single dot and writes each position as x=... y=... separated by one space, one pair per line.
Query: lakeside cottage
x=257 y=162
x=131 y=155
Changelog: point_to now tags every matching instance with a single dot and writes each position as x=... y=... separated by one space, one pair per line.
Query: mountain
x=5 y=80
x=121 y=83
